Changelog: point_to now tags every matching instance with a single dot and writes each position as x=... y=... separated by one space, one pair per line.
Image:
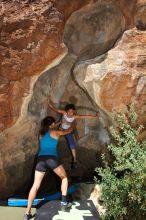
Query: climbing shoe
x=27 y=216
x=65 y=206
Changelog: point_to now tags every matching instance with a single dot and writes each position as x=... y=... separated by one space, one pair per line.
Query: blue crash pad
x=23 y=202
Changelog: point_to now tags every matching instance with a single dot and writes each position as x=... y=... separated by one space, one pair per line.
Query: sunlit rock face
x=31 y=38
x=117 y=78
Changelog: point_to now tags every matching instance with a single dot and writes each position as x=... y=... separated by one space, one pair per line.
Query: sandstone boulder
x=117 y=78
x=93 y=29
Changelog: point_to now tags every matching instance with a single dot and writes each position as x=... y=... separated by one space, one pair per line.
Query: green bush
x=124 y=181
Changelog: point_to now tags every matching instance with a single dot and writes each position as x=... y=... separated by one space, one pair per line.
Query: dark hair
x=45 y=123
x=69 y=106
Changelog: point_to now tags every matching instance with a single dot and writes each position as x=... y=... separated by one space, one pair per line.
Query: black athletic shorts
x=46 y=162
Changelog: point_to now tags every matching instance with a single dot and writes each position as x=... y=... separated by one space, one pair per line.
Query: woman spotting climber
x=68 y=119
x=48 y=158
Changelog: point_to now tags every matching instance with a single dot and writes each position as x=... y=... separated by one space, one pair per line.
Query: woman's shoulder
x=53 y=131
x=54 y=134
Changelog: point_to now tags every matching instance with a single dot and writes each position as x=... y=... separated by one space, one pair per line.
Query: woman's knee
x=64 y=177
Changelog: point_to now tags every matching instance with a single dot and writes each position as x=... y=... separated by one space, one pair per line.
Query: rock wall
x=31 y=42
x=75 y=51
x=31 y=38
x=102 y=23
x=118 y=78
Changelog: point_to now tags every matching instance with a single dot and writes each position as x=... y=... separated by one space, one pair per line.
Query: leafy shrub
x=124 y=181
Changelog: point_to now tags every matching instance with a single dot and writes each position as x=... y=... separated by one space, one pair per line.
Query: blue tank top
x=48 y=145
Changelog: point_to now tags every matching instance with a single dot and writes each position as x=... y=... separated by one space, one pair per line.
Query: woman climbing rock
x=48 y=159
